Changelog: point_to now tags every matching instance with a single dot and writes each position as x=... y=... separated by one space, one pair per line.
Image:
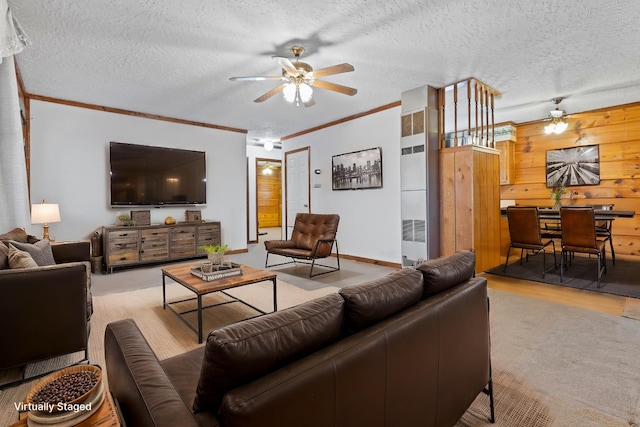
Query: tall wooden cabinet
x=470 y=203
x=133 y=245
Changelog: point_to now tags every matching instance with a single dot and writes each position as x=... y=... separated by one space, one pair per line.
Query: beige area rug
x=166 y=333
x=553 y=365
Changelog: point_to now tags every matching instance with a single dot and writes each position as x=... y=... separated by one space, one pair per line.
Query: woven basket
x=61 y=373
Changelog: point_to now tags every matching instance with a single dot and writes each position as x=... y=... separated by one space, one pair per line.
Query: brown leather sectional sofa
x=49 y=307
x=409 y=349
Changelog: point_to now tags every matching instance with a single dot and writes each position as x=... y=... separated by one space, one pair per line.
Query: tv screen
x=145 y=175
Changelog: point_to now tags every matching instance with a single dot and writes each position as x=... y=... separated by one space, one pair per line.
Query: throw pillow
x=4 y=256
x=20 y=259
x=376 y=300
x=39 y=251
x=17 y=234
x=239 y=353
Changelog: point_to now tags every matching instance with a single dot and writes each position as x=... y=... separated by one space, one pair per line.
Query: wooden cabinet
x=207 y=234
x=505 y=138
x=507 y=161
x=132 y=245
x=154 y=244
x=123 y=247
x=470 y=203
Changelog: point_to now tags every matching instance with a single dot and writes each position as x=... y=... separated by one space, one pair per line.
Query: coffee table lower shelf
x=181 y=274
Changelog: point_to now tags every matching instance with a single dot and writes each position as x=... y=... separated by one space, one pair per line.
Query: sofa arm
x=71 y=251
x=137 y=381
x=51 y=303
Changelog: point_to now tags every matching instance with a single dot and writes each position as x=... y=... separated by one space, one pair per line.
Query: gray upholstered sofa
x=410 y=349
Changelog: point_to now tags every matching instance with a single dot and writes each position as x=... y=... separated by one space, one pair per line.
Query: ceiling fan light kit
x=558 y=123
x=299 y=78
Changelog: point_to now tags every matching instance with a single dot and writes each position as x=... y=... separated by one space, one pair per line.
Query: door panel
x=296 y=185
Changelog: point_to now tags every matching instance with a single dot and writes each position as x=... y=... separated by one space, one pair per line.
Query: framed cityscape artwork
x=357 y=170
x=573 y=166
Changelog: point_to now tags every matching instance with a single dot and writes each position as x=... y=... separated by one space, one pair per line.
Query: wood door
x=269 y=193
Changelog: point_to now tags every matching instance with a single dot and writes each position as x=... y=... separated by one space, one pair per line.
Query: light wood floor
x=604 y=303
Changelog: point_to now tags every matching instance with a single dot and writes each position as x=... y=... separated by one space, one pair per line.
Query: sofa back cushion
x=445 y=272
x=241 y=352
x=376 y=300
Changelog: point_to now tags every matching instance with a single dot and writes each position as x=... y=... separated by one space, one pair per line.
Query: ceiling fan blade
x=287 y=65
x=336 y=69
x=255 y=78
x=335 y=87
x=270 y=93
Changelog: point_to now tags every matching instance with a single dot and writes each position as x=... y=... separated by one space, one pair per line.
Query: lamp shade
x=44 y=213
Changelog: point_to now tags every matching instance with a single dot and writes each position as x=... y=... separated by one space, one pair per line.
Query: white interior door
x=296 y=165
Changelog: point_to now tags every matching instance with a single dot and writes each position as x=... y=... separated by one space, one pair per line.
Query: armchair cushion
x=40 y=251
x=20 y=259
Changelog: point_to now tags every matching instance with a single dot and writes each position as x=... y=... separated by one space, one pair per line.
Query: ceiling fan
x=299 y=78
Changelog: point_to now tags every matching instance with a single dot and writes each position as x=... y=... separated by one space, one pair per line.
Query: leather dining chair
x=578 y=226
x=603 y=230
x=524 y=231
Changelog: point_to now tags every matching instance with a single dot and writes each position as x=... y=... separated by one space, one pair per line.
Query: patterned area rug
x=553 y=365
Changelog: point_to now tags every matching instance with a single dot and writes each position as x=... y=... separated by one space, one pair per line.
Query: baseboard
x=370 y=261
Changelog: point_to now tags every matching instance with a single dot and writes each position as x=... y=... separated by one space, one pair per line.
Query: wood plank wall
x=269 y=195
x=616 y=130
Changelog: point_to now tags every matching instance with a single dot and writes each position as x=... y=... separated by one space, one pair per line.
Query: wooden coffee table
x=182 y=274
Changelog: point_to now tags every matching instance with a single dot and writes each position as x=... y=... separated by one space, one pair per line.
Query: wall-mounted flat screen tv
x=156 y=176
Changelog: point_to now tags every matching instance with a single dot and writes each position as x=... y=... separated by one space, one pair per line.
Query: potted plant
x=215 y=253
x=556 y=194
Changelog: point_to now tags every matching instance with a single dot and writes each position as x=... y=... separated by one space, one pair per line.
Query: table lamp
x=44 y=213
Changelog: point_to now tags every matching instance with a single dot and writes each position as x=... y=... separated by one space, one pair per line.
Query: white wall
x=370 y=225
x=70 y=166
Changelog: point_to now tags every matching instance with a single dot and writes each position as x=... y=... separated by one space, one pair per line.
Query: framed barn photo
x=573 y=166
x=357 y=170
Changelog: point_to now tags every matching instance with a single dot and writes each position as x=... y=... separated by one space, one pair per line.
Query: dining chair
x=578 y=226
x=524 y=231
x=603 y=229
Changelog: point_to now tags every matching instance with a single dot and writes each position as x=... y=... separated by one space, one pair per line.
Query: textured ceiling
x=174 y=58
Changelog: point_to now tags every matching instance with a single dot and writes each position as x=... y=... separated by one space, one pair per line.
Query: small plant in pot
x=215 y=253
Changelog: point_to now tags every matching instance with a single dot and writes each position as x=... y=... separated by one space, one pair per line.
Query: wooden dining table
x=601 y=214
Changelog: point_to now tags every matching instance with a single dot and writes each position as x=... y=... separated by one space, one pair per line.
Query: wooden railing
x=467 y=118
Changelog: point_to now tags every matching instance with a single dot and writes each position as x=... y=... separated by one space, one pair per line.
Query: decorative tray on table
x=218 y=271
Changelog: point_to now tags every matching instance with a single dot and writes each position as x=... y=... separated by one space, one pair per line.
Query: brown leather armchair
x=313 y=238
x=49 y=307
